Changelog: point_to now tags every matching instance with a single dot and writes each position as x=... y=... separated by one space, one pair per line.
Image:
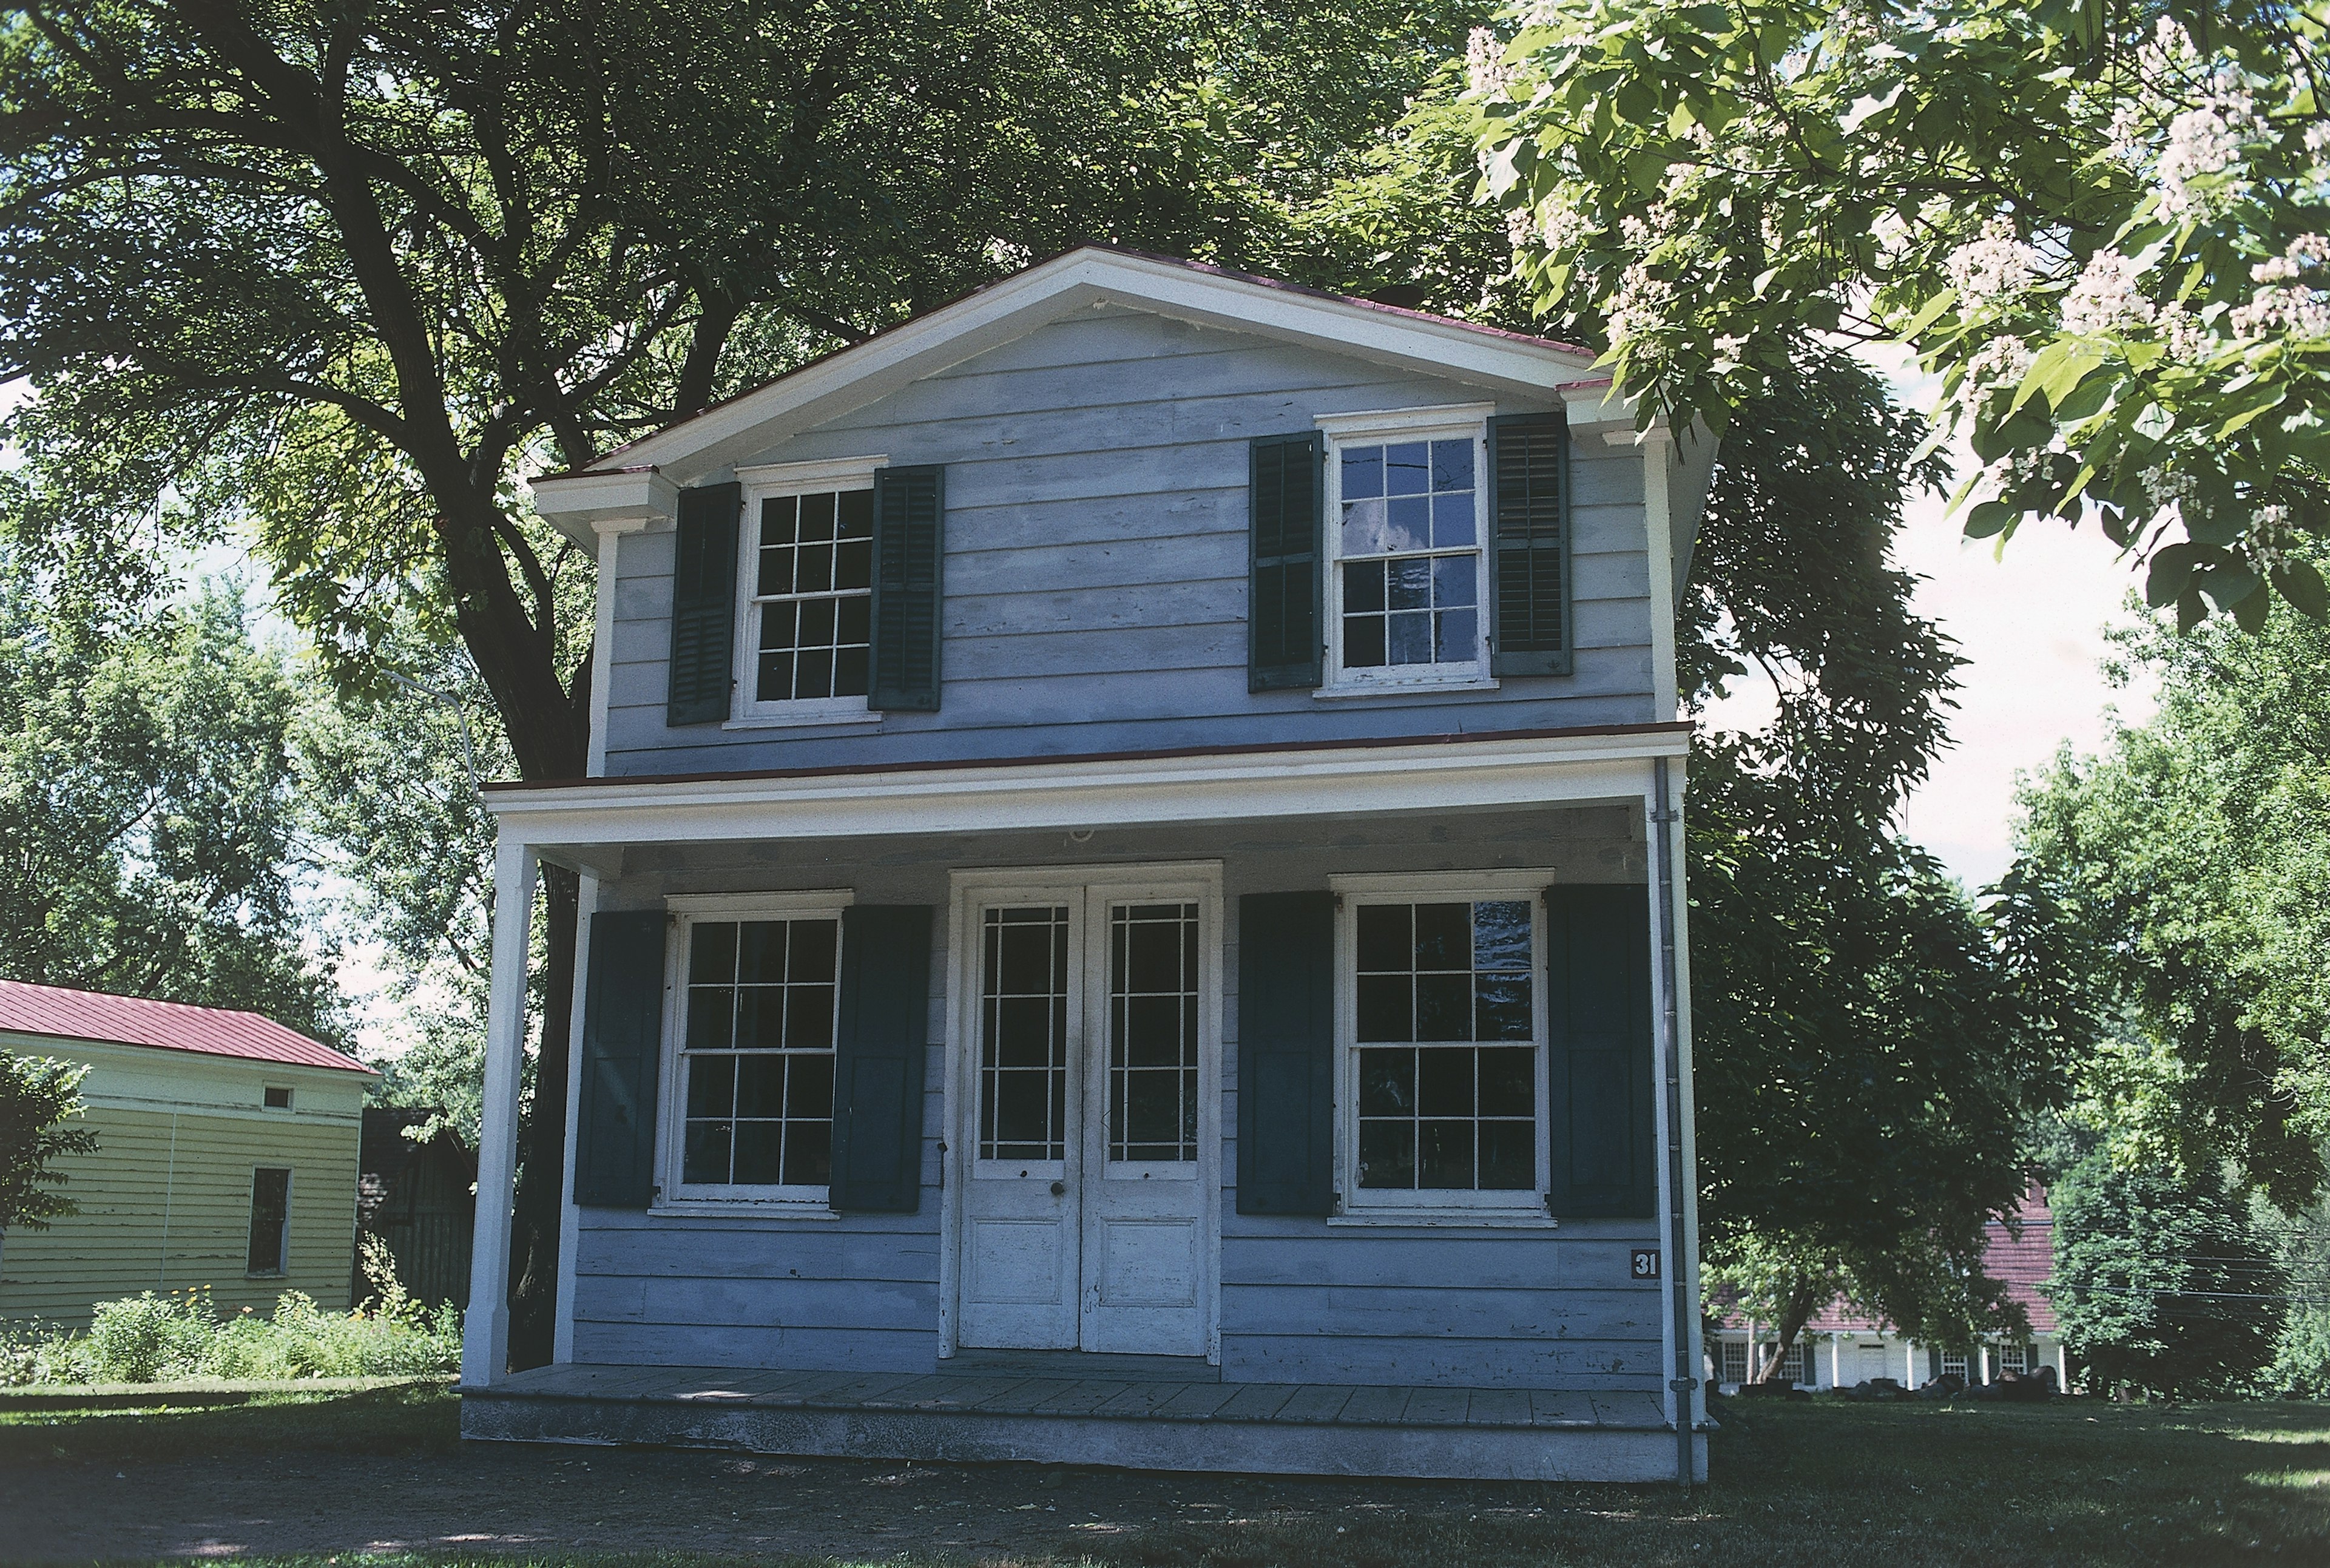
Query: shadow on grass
x=403 y=1418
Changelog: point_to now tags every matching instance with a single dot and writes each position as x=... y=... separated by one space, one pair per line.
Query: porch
x=1141 y=1417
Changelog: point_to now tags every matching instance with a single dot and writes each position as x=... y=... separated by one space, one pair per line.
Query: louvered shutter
x=703 y=605
x=1286 y=474
x=1286 y=1053
x=1528 y=555
x=909 y=542
x=880 y=1047
x=1599 y=1071
x=622 y=1060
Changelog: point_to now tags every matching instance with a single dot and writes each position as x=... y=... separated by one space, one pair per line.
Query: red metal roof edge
x=63 y=1014
x=605 y=463
x=1675 y=727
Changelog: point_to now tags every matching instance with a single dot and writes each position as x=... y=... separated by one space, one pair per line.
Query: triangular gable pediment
x=637 y=481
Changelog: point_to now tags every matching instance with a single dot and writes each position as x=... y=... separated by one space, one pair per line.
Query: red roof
x=2019 y=1254
x=52 y=1009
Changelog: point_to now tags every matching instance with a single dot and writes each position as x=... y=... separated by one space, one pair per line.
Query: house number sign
x=1645 y=1264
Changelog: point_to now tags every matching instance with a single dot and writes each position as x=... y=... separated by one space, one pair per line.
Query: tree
x=149 y=832
x=2161 y=1283
x=2183 y=878
x=1872 y=1042
x=2100 y=222
x=37 y=1096
x=337 y=274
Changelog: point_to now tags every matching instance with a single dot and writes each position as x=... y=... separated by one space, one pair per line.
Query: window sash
x=753 y=607
x=681 y=1058
x=269 y=1255
x=1339 y=674
x=1358 y=1199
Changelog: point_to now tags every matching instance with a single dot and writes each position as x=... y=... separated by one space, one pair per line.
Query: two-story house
x=1133 y=896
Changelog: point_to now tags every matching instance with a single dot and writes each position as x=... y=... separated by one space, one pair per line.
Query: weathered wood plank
x=1198 y=1401
x=1384 y=1405
x=1257 y=1401
x=1498 y=1407
x=1314 y=1402
x=1551 y=1408
x=1443 y=1407
x=1084 y=1394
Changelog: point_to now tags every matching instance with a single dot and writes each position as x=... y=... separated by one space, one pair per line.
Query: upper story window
x=1407 y=576
x=809 y=618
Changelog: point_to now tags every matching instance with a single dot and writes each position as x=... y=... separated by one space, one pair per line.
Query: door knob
x=1059 y=1189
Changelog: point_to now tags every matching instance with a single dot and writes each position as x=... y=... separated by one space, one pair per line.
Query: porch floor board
x=1136 y=1423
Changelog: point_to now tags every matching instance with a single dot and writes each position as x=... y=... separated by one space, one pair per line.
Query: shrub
x=151 y=1339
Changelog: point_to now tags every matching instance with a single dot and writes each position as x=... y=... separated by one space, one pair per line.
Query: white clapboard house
x=1132 y=880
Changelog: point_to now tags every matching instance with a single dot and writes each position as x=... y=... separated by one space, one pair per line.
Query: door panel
x=1092 y=1072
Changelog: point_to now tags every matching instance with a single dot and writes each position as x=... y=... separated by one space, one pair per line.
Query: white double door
x=1087 y=1129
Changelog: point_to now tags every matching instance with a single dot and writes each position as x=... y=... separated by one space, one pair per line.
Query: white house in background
x=1842 y=1347
x=1133 y=898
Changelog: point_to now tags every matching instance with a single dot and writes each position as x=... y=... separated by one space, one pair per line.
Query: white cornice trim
x=627 y=501
x=1390 y=421
x=818 y=474
x=1101 y=793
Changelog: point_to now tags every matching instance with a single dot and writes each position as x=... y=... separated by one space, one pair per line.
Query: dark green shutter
x=1284 y=648
x=1528 y=555
x=909 y=545
x=622 y=1060
x=703 y=605
x=881 y=1040
x=1598 y=1065
x=1286 y=1053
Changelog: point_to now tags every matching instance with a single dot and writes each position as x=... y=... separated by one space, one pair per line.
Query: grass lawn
x=1793 y=1484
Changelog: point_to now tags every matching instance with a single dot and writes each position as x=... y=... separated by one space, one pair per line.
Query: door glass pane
x=1023 y=1050
x=1152 y=1031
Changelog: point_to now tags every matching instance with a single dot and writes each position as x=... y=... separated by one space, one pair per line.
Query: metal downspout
x=1686 y=1376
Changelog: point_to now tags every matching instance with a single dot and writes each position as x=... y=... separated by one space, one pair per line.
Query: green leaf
x=1988 y=518
x=2301 y=584
x=2055 y=370
x=2169 y=573
x=1927 y=314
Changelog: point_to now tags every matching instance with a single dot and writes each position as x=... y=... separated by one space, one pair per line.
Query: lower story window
x=1445 y=1051
x=1954 y=1363
x=2014 y=1358
x=756 y=1058
x=271 y=1221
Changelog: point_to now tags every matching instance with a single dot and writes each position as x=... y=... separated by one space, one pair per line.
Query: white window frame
x=1382 y=427
x=1521 y=1207
x=672 y=1195
x=770 y=481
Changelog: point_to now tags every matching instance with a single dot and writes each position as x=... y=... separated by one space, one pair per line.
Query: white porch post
x=570 y=1218
x=484 y=1331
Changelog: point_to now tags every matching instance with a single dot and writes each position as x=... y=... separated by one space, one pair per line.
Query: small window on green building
x=279 y=1100
x=271 y=1221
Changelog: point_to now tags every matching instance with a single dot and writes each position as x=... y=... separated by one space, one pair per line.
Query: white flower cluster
x=2166 y=487
x=2126 y=129
x=2105 y=298
x=2169 y=52
x=2188 y=342
x=2002 y=361
x=2272 y=532
x=2203 y=140
x=2283 y=303
x=1640 y=304
x=2010 y=473
x=1985 y=269
x=1484 y=65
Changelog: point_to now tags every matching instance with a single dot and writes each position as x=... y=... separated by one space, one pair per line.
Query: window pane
x=1363 y=586
x=761 y=1083
x=809 y=1153
x=1452 y=522
x=1383 y=937
x=1407 y=523
x=857 y=514
x=1363 y=641
x=758 y=1148
x=1452 y=465
x=775 y=683
x=849 y=668
x=1408 y=638
x=1508 y=1155
x=1454 y=580
x=1367 y=531
x=1408 y=584
x=1508 y=1082
x=711 y=1017
x=711 y=1088
x=1443 y=936
x=1443 y=1153
x=1386 y=1153
x=760 y=1017
x=1362 y=472
x=712 y=954
x=1407 y=467
x=706 y=1157
x=1443 y=1007
x=1443 y=1083
x=1387 y=1083
x=1456 y=637
x=1387 y=1007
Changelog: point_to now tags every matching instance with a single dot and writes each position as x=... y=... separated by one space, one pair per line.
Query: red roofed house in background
x=1841 y=1345
x=226 y=1157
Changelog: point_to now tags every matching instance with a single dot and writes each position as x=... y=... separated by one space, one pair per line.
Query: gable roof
x=642 y=478
x=96 y=1015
